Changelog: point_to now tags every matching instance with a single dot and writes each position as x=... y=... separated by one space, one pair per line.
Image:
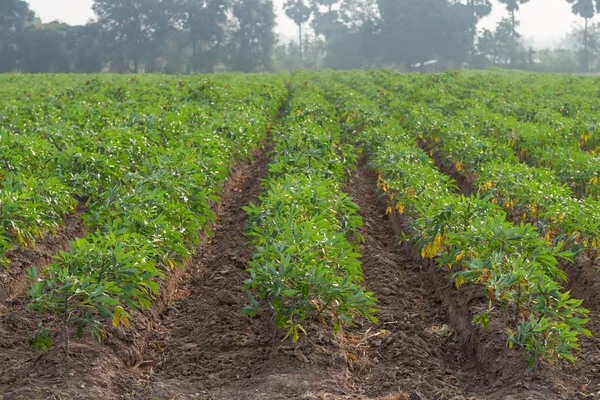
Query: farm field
x=323 y=235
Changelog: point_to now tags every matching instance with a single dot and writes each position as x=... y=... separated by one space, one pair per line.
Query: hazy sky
x=543 y=21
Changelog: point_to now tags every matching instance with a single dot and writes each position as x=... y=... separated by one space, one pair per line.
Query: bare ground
x=195 y=345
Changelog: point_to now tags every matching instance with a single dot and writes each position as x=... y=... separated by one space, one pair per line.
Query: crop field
x=322 y=235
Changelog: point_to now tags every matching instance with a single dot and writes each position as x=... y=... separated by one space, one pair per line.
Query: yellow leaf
x=124 y=320
x=120 y=316
x=400 y=208
x=458 y=166
x=432 y=248
x=115 y=320
x=459 y=282
x=389 y=211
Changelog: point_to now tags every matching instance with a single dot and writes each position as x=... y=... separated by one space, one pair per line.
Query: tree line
x=172 y=36
x=186 y=36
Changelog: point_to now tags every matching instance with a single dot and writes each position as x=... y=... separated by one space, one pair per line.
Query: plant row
x=68 y=141
x=533 y=194
x=555 y=144
x=149 y=181
x=305 y=264
x=469 y=235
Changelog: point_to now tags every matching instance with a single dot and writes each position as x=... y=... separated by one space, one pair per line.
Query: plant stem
x=66 y=328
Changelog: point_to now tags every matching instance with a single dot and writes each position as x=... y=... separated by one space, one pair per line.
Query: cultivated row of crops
x=144 y=159
x=305 y=264
x=482 y=152
x=470 y=235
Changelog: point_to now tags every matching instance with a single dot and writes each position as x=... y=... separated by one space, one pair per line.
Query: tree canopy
x=186 y=36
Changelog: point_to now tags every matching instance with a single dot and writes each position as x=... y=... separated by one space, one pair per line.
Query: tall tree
x=479 y=8
x=585 y=9
x=252 y=38
x=300 y=13
x=415 y=31
x=204 y=23
x=325 y=18
x=84 y=47
x=351 y=32
x=497 y=46
x=130 y=28
x=43 y=48
x=14 y=14
x=512 y=6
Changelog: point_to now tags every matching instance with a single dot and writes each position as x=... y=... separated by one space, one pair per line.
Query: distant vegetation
x=185 y=36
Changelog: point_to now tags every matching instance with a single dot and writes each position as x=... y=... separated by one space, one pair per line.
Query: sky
x=543 y=22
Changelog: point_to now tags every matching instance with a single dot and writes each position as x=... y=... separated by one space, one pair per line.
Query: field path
x=207 y=350
x=415 y=352
x=214 y=353
x=211 y=352
x=207 y=342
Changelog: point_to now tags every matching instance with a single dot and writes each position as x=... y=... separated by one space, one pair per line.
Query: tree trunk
x=586 y=50
x=194 y=54
x=513 y=49
x=300 y=42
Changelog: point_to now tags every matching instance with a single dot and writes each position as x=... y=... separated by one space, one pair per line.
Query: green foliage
x=148 y=164
x=29 y=207
x=252 y=42
x=95 y=279
x=517 y=269
x=304 y=264
x=485 y=135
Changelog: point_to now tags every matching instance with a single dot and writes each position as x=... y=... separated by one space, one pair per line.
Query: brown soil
x=210 y=351
x=411 y=352
x=199 y=347
x=415 y=300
